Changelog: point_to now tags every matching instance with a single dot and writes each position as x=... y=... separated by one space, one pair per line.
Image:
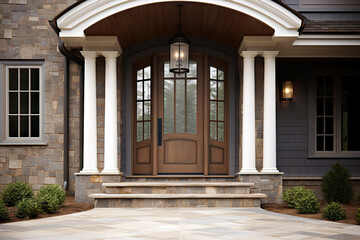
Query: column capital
x=270 y=54
x=110 y=54
x=89 y=54
x=249 y=54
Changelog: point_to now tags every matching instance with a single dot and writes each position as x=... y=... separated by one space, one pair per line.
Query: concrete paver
x=182 y=223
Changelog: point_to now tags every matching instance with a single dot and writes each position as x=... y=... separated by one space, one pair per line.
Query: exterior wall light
x=179 y=51
x=287 y=91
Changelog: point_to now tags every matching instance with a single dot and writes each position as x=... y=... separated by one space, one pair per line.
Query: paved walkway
x=184 y=223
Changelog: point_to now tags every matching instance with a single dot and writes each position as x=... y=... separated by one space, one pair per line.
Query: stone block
x=50 y=180
x=5 y=179
x=33 y=180
x=15 y=164
x=95 y=179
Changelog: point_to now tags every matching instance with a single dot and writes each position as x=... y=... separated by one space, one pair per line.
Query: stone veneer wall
x=25 y=34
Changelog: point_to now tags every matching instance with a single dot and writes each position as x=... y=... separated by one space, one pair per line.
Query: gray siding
x=292 y=121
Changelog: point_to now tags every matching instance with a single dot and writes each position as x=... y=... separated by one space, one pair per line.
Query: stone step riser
x=175 y=203
x=179 y=190
x=180 y=179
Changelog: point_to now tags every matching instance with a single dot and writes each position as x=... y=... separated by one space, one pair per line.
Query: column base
x=269 y=170
x=89 y=171
x=248 y=171
x=110 y=171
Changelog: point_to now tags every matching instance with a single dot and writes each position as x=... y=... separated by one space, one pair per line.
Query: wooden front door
x=181 y=120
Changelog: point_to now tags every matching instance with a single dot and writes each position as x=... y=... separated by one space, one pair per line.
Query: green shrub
x=28 y=207
x=292 y=195
x=308 y=203
x=54 y=190
x=336 y=184
x=49 y=203
x=15 y=192
x=358 y=217
x=334 y=212
x=4 y=213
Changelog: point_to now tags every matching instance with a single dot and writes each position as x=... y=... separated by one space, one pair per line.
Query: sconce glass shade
x=179 y=54
x=287 y=91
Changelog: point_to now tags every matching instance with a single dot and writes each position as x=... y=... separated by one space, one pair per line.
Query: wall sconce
x=287 y=91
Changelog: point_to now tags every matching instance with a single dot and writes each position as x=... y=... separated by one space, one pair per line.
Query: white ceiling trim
x=74 y=22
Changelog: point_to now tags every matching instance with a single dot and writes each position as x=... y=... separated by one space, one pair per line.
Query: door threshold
x=180 y=176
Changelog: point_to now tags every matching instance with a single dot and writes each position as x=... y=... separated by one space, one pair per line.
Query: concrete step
x=177 y=200
x=170 y=187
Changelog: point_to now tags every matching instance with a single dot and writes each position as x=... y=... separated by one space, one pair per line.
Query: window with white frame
x=337 y=127
x=22 y=90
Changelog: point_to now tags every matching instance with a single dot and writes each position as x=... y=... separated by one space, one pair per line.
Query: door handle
x=159 y=131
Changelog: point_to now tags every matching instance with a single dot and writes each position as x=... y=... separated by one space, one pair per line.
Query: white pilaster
x=90 y=128
x=248 y=121
x=269 y=146
x=111 y=131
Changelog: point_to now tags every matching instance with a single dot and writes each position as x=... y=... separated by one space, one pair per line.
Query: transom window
x=337 y=119
x=21 y=118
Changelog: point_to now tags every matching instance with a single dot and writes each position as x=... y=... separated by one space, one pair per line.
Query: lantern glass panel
x=179 y=57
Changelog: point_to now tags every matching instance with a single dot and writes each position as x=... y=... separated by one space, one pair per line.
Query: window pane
x=221 y=111
x=319 y=125
x=13 y=126
x=329 y=89
x=221 y=131
x=147 y=130
x=191 y=106
x=220 y=75
x=24 y=102
x=329 y=125
x=139 y=131
x=139 y=90
x=213 y=92
x=24 y=126
x=192 y=70
x=13 y=79
x=13 y=103
x=320 y=86
x=329 y=106
x=350 y=103
x=329 y=143
x=147 y=90
x=35 y=103
x=35 y=79
x=320 y=106
x=168 y=106
x=35 y=129
x=139 y=111
x=180 y=105
x=319 y=143
x=213 y=127
x=139 y=74
x=213 y=73
x=147 y=73
x=220 y=90
x=147 y=110
x=167 y=72
x=213 y=110
x=24 y=79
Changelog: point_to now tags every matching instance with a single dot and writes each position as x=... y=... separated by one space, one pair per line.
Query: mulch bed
x=350 y=209
x=70 y=206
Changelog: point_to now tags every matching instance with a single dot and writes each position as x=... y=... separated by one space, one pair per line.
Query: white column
x=111 y=131
x=269 y=145
x=90 y=128
x=248 y=121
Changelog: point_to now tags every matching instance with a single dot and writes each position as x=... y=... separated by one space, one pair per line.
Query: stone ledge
x=260 y=173
x=178 y=184
x=98 y=174
x=177 y=196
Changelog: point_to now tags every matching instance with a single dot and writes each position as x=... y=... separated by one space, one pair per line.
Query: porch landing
x=177 y=194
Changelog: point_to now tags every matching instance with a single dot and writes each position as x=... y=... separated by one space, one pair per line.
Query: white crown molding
x=74 y=22
x=327 y=40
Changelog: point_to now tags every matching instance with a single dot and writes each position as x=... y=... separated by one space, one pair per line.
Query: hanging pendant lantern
x=179 y=51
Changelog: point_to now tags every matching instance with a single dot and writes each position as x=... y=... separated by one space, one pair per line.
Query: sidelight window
x=143 y=104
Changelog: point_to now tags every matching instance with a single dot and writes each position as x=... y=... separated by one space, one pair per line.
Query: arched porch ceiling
x=137 y=21
x=146 y=22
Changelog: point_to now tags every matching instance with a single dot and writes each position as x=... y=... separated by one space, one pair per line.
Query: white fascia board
x=76 y=20
x=327 y=40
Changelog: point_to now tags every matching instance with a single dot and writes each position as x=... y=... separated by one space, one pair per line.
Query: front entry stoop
x=177 y=194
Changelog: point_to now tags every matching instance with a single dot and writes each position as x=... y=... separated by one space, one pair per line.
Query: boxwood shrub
x=294 y=194
x=358 y=217
x=51 y=198
x=55 y=190
x=4 y=213
x=28 y=207
x=15 y=192
x=308 y=203
x=334 y=211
